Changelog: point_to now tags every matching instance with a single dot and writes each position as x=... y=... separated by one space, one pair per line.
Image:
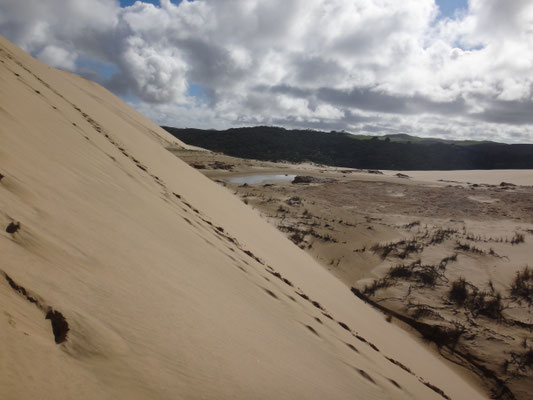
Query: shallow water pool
x=260 y=178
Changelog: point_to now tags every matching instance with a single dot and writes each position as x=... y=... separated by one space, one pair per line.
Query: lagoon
x=260 y=178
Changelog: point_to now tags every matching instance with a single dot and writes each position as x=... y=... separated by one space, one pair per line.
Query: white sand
x=160 y=304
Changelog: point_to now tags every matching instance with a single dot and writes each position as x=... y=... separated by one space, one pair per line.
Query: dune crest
x=127 y=274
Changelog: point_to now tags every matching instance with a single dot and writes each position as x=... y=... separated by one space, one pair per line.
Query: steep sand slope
x=170 y=286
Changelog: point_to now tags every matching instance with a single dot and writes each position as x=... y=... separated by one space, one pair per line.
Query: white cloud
x=58 y=57
x=156 y=74
x=380 y=65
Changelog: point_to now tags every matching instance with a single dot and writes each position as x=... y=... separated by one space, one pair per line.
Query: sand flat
x=489 y=177
x=404 y=243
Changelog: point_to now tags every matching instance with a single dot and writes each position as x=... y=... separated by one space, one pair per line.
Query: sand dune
x=127 y=274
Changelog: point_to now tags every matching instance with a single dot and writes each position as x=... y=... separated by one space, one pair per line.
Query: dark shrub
x=400 y=271
x=517 y=238
x=458 y=293
x=522 y=286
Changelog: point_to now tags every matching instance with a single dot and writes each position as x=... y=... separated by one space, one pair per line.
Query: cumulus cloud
x=374 y=66
x=58 y=57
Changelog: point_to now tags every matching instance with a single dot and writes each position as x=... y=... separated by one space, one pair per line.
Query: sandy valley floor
x=443 y=253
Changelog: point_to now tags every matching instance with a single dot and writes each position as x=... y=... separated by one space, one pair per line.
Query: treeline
x=344 y=150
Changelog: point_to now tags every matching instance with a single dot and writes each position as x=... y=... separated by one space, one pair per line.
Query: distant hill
x=396 y=152
x=405 y=138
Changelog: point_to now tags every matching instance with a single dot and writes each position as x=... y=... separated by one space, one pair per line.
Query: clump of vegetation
x=423 y=311
x=473 y=238
x=522 y=286
x=382 y=250
x=325 y=238
x=441 y=335
x=400 y=271
x=477 y=302
x=13 y=227
x=426 y=275
x=444 y=262
x=411 y=246
x=517 y=238
x=411 y=225
x=458 y=293
x=467 y=247
x=401 y=249
x=221 y=165
x=527 y=358
x=442 y=234
x=483 y=303
x=294 y=201
x=297 y=237
x=282 y=209
x=404 y=176
x=519 y=363
x=304 y=179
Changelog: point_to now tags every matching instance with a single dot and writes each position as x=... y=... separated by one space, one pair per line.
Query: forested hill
x=396 y=152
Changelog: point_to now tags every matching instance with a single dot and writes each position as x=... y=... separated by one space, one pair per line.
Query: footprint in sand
x=312 y=330
x=271 y=293
x=366 y=376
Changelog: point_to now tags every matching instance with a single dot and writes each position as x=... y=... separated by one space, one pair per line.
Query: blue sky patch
x=101 y=69
x=197 y=91
x=449 y=7
x=127 y=3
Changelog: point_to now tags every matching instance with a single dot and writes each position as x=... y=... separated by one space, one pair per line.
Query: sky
x=456 y=69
